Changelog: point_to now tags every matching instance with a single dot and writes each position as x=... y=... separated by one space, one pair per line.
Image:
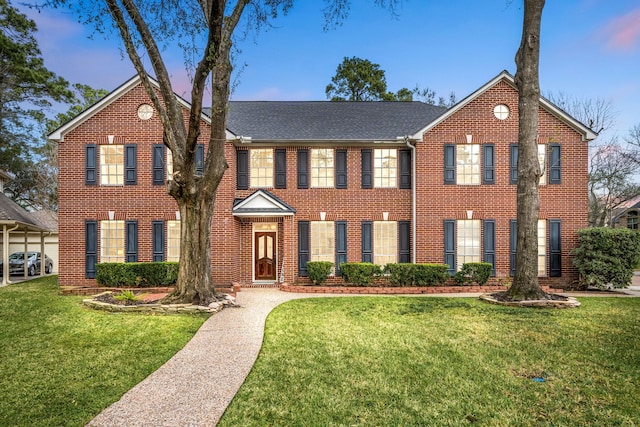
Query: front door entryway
x=265 y=255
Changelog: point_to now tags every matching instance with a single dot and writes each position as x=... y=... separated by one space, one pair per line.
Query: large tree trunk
x=525 y=282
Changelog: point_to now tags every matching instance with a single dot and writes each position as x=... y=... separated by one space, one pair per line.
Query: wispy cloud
x=622 y=33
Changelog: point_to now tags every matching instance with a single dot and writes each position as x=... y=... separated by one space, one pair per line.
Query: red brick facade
x=233 y=236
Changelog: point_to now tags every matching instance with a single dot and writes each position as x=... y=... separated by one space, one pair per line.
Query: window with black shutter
x=90 y=162
x=367 y=241
x=91 y=248
x=303 y=248
x=367 y=168
x=281 y=168
x=303 y=168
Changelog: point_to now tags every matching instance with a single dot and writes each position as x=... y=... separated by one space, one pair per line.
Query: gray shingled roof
x=10 y=211
x=325 y=120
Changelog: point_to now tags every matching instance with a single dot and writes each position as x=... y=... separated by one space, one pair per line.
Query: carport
x=15 y=220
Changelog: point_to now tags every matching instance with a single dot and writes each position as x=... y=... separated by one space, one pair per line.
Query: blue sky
x=590 y=49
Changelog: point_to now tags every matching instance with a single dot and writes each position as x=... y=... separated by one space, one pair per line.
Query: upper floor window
x=169 y=165
x=549 y=159
x=542 y=157
x=322 y=167
x=261 y=167
x=112 y=164
x=112 y=241
x=468 y=164
x=385 y=168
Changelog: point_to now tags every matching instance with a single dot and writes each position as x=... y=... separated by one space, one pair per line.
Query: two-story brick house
x=338 y=181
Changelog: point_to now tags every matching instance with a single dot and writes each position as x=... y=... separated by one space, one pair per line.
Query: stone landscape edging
x=157 y=308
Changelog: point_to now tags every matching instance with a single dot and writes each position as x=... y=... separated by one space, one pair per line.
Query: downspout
x=414 y=215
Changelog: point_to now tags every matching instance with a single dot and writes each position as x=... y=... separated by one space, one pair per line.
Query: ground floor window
x=542 y=247
x=173 y=240
x=468 y=241
x=322 y=241
x=112 y=241
x=385 y=242
x=632 y=220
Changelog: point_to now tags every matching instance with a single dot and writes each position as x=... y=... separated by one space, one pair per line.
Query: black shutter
x=157 y=243
x=199 y=159
x=157 y=158
x=367 y=168
x=281 y=168
x=555 y=163
x=131 y=243
x=367 y=241
x=513 y=240
x=303 y=248
x=242 y=169
x=490 y=243
x=449 y=164
x=90 y=248
x=130 y=164
x=405 y=169
x=555 y=248
x=341 y=168
x=513 y=164
x=488 y=170
x=450 y=245
x=341 y=244
x=90 y=161
x=404 y=241
x=303 y=169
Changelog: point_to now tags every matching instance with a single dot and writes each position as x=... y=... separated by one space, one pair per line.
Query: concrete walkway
x=197 y=384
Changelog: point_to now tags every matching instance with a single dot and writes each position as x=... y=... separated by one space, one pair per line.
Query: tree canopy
x=359 y=79
x=27 y=90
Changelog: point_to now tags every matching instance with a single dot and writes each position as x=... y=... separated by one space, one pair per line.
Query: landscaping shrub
x=417 y=274
x=137 y=274
x=474 y=272
x=606 y=256
x=319 y=271
x=359 y=273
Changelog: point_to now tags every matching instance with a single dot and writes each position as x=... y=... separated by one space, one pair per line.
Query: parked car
x=16 y=263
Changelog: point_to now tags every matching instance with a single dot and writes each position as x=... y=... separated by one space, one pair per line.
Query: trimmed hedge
x=405 y=274
x=359 y=273
x=474 y=272
x=607 y=256
x=319 y=271
x=137 y=274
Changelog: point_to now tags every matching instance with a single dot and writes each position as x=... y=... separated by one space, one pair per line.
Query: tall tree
x=202 y=30
x=27 y=89
x=525 y=282
x=362 y=80
x=358 y=80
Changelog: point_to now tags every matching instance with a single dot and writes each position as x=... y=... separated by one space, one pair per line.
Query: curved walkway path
x=196 y=385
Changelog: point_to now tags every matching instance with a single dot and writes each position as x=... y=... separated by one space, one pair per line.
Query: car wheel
x=32 y=270
x=48 y=268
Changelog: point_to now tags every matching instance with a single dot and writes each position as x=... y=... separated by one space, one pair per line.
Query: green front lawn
x=377 y=361
x=61 y=363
